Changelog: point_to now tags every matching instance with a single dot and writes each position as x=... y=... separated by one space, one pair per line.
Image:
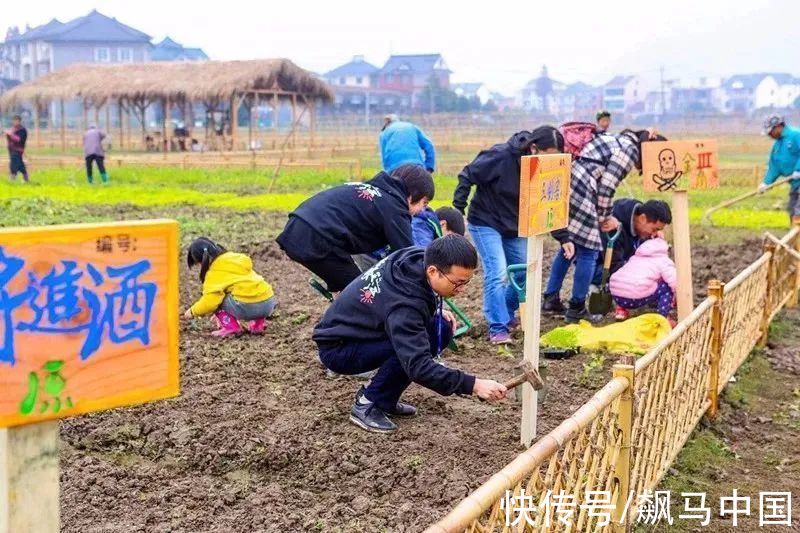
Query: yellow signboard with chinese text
x=88 y=318
x=544 y=193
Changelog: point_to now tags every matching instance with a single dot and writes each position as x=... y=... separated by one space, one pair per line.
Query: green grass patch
x=243 y=189
x=753 y=377
x=697 y=465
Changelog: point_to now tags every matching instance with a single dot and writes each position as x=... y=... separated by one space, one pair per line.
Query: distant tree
x=437 y=99
x=490 y=106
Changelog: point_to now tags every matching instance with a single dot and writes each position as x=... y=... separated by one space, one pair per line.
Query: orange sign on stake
x=544 y=193
x=88 y=318
x=671 y=165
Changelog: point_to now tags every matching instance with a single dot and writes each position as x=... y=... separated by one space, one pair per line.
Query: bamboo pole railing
x=625 y=438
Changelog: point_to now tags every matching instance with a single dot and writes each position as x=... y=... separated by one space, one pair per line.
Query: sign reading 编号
x=88 y=318
x=544 y=193
x=671 y=165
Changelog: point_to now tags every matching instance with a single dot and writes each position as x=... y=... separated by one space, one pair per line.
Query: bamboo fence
x=625 y=438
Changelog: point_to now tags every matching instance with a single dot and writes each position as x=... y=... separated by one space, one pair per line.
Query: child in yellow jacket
x=232 y=290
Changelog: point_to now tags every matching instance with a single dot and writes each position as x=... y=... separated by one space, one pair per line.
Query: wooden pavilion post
x=188 y=123
x=63 y=124
x=251 y=108
x=294 y=120
x=96 y=116
x=121 y=143
x=37 y=140
x=107 y=107
x=275 y=116
x=312 y=119
x=165 y=128
x=128 y=126
x=234 y=107
x=85 y=124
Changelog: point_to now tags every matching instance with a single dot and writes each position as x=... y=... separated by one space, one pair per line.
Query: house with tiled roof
x=170 y=50
x=762 y=90
x=94 y=38
x=356 y=73
x=413 y=73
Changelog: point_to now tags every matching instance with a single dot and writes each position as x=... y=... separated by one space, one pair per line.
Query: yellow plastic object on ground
x=635 y=335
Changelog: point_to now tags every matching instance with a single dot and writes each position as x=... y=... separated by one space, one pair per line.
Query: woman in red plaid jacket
x=597 y=172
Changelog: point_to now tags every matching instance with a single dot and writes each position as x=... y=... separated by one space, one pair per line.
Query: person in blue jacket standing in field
x=403 y=143
x=784 y=160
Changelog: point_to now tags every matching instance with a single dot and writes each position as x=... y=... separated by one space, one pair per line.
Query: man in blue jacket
x=784 y=160
x=391 y=319
x=403 y=143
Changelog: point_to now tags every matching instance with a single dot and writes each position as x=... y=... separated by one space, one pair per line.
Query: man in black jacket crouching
x=391 y=319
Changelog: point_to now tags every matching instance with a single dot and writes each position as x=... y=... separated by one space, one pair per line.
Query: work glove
x=761 y=188
x=796 y=175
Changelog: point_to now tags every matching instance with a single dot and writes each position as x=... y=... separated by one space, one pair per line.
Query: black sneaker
x=551 y=303
x=370 y=417
x=400 y=410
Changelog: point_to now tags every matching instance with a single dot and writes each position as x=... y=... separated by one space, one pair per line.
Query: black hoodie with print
x=354 y=218
x=394 y=300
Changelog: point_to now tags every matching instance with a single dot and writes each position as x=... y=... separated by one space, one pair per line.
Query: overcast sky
x=503 y=44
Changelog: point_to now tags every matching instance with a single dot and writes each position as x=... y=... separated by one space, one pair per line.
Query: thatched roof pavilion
x=135 y=86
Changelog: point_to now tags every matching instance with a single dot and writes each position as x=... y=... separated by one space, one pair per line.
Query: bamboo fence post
x=622 y=468
x=716 y=289
x=793 y=300
x=769 y=247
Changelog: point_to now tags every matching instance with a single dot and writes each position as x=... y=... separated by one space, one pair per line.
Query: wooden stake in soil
x=531 y=327
x=683 y=252
x=29 y=478
x=543 y=207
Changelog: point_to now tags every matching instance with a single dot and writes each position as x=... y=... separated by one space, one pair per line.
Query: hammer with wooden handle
x=529 y=374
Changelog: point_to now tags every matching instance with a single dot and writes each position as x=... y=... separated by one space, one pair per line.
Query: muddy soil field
x=259 y=438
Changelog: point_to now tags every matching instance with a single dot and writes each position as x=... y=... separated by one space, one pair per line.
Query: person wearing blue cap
x=784 y=160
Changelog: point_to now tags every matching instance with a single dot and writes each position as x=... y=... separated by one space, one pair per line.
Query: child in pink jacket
x=647 y=279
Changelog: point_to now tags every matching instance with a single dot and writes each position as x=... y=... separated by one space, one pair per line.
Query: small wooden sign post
x=543 y=207
x=676 y=166
x=88 y=321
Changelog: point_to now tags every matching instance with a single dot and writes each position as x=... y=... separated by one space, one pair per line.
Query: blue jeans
x=500 y=299
x=354 y=357
x=585 y=262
